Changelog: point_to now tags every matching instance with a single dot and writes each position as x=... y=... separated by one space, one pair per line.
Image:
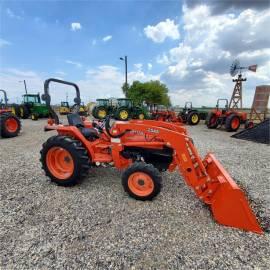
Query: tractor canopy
x=31 y=98
x=102 y=102
x=124 y=102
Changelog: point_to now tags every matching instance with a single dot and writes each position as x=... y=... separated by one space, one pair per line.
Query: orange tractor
x=10 y=124
x=141 y=149
x=160 y=113
x=230 y=118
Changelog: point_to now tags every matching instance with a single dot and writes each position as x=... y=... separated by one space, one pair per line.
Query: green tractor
x=190 y=115
x=102 y=108
x=126 y=109
x=31 y=107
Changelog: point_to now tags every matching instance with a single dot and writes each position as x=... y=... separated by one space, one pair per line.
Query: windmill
x=236 y=99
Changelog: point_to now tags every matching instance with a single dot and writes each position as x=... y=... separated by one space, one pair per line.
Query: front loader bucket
x=228 y=202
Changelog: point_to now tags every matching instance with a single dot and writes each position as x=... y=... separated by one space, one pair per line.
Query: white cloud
x=163 y=59
x=198 y=68
x=61 y=73
x=10 y=81
x=166 y=29
x=75 y=26
x=12 y=15
x=4 y=43
x=138 y=66
x=76 y=64
x=149 y=66
x=107 y=38
x=98 y=82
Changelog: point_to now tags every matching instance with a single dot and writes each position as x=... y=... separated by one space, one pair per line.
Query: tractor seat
x=74 y=119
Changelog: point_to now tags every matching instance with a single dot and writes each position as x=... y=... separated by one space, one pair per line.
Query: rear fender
x=72 y=131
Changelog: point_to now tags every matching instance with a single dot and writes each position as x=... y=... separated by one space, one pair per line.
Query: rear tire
x=15 y=109
x=64 y=160
x=10 y=125
x=101 y=113
x=142 y=181
x=193 y=118
x=232 y=122
x=212 y=120
x=123 y=114
x=24 y=112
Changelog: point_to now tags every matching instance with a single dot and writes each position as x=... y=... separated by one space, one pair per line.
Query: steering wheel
x=108 y=129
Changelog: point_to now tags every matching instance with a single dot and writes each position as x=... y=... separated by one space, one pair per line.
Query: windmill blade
x=252 y=68
x=234 y=67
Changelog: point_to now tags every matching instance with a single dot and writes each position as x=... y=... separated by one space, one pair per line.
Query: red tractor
x=141 y=149
x=10 y=124
x=230 y=118
x=160 y=113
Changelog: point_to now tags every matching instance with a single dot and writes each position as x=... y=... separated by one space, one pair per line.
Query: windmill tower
x=236 y=99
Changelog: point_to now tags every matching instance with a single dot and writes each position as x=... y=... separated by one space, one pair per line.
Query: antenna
x=237 y=91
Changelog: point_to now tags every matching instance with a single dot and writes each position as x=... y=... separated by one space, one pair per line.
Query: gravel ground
x=97 y=226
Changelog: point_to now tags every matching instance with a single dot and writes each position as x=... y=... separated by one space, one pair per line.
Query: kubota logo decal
x=184 y=157
x=152 y=130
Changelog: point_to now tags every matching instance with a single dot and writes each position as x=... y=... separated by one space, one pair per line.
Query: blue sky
x=45 y=40
x=179 y=43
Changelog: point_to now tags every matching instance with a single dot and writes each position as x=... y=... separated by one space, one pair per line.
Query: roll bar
x=47 y=98
x=222 y=99
x=5 y=96
x=188 y=104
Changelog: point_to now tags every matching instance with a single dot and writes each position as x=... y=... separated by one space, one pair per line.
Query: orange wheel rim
x=11 y=125
x=235 y=123
x=140 y=184
x=60 y=162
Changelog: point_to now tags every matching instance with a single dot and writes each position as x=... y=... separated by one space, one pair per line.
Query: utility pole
x=25 y=86
x=126 y=79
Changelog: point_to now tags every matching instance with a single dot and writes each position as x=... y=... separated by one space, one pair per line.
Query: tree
x=152 y=92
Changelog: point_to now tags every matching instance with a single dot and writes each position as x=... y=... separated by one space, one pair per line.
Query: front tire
x=142 y=181
x=232 y=122
x=34 y=116
x=64 y=160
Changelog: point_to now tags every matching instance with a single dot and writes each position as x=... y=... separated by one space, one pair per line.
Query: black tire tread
x=97 y=109
x=82 y=160
x=210 y=115
x=228 y=121
x=189 y=118
x=3 y=131
x=122 y=109
x=146 y=168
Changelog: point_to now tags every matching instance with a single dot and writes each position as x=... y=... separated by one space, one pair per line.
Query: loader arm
x=207 y=177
